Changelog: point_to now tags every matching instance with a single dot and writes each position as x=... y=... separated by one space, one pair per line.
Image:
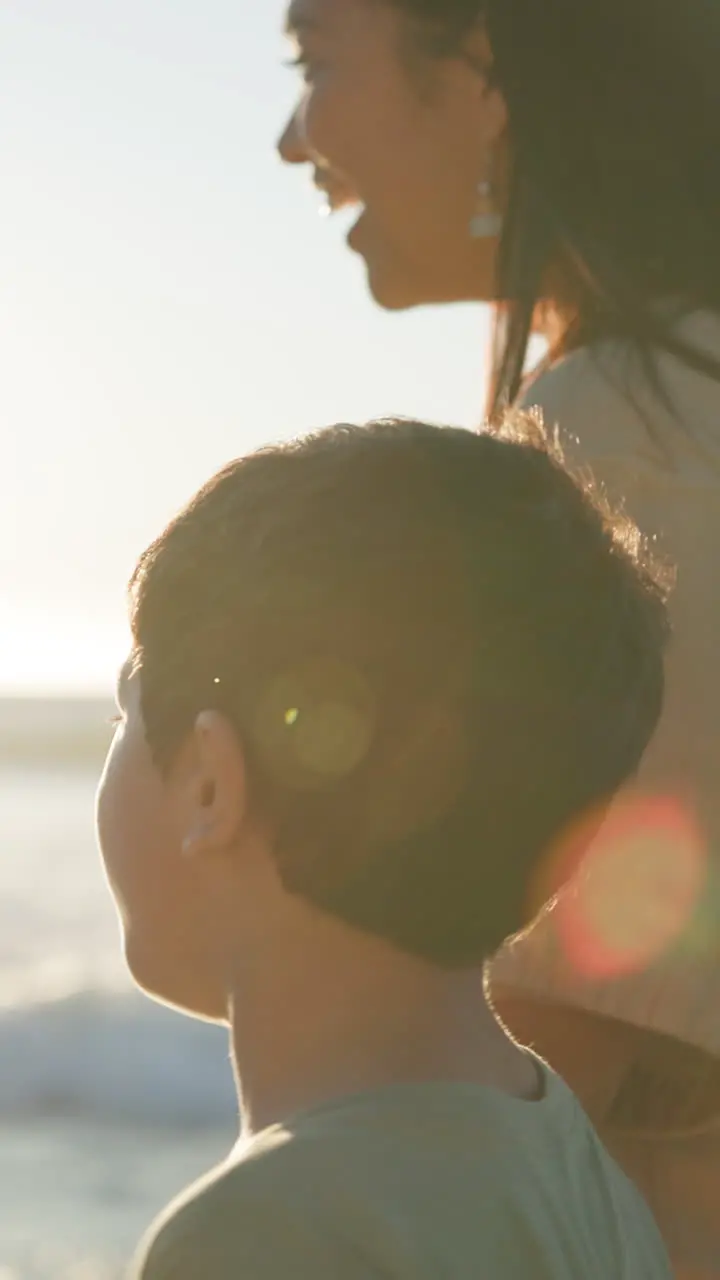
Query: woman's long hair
x=614 y=204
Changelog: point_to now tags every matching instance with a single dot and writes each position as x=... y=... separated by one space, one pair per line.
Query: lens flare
x=635 y=889
x=315 y=725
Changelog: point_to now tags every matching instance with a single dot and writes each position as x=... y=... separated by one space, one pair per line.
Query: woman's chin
x=392 y=292
x=397 y=289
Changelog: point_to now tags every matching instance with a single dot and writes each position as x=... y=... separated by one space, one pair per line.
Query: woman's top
x=659 y=456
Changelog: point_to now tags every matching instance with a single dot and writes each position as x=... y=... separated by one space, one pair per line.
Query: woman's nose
x=291 y=145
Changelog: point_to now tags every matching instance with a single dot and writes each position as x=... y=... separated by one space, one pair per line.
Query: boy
x=376 y=676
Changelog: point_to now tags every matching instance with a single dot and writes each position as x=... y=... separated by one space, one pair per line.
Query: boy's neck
x=329 y=1022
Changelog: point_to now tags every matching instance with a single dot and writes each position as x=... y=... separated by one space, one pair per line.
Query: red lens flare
x=633 y=887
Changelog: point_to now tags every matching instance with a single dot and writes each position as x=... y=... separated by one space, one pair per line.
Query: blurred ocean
x=109 y=1105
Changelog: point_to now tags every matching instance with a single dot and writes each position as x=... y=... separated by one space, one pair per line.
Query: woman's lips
x=334 y=199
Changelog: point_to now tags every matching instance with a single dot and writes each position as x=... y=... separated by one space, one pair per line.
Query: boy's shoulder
x=359 y=1189
x=248 y=1216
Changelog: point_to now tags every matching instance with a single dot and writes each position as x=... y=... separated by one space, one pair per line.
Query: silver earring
x=486 y=223
x=194 y=838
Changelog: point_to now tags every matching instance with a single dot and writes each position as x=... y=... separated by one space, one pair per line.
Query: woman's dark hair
x=439 y=651
x=614 y=109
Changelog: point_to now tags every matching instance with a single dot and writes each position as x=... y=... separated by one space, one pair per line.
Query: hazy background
x=169 y=298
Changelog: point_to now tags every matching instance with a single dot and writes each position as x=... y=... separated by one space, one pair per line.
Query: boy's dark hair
x=438 y=649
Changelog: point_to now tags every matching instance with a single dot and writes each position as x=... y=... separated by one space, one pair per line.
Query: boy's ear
x=210 y=787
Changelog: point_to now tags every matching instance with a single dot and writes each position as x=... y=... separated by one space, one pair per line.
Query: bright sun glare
x=49 y=653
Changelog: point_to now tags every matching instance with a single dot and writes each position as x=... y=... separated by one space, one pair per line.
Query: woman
x=562 y=161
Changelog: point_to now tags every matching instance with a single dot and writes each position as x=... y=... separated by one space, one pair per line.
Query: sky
x=169 y=299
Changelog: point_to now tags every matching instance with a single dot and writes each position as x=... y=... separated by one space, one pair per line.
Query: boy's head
x=378 y=672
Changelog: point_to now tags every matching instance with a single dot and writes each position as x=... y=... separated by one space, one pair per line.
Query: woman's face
x=405 y=137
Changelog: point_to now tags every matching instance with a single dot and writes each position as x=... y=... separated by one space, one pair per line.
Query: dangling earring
x=486 y=223
x=194 y=838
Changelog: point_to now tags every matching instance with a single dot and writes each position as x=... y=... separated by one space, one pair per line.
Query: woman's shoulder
x=604 y=401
